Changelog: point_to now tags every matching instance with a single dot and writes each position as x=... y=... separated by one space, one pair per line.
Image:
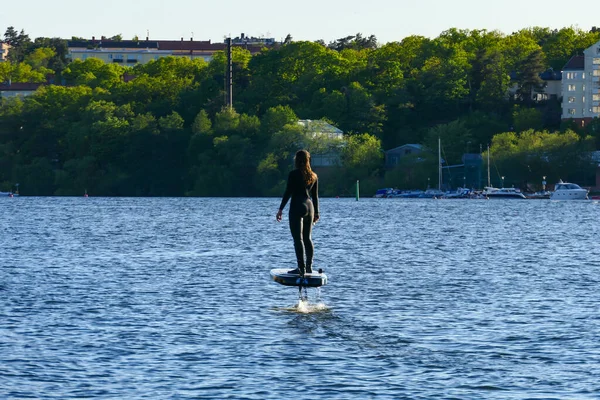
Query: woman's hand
x=279 y=215
x=315 y=218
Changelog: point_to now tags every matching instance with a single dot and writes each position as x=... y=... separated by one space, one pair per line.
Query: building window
x=596 y=97
x=583 y=75
x=572 y=75
x=572 y=88
x=596 y=110
x=583 y=99
x=596 y=61
x=571 y=99
x=596 y=72
x=571 y=111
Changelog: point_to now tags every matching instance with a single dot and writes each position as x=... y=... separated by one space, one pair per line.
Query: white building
x=581 y=87
x=329 y=142
x=551 y=89
x=132 y=52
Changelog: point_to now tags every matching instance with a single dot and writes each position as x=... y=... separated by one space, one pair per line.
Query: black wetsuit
x=303 y=208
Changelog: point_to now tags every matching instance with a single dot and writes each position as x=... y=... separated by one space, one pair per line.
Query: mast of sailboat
x=489 y=185
x=229 y=75
x=439 y=164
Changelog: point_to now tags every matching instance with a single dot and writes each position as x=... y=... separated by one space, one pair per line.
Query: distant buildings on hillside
x=131 y=52
x=577 y=86
x=251 y=40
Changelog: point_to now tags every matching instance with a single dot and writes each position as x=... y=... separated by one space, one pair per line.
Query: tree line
x=167 y=132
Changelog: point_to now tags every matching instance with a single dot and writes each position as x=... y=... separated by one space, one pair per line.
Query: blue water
x=127 y=298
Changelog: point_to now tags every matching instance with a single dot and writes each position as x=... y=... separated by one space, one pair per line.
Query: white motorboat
x=568 y=191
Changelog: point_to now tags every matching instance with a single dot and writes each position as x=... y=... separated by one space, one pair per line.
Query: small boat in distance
x=544 y=194
x=503 y=193
x=568 y=191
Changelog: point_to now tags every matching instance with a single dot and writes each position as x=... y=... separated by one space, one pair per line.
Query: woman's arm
x=314 y=194
x=286 y=197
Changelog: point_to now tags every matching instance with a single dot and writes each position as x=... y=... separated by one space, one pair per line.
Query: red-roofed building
x=18 y=89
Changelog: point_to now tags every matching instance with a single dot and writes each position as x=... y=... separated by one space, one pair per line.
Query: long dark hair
x=302 y=162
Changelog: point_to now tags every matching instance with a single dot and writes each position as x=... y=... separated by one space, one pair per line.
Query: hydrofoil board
x=314 y=279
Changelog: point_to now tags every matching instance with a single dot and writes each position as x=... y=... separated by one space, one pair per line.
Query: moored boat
x=503 y=193
x=544 y=194
x=568 y=191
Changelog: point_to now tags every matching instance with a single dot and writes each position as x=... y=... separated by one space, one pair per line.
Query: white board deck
x=314 y=279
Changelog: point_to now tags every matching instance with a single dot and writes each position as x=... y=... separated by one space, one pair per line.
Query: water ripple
x=171 y=298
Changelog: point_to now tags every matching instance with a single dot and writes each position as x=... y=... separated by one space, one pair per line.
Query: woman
x=303 y=188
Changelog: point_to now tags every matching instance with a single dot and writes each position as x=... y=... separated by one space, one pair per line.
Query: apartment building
x=581 y=87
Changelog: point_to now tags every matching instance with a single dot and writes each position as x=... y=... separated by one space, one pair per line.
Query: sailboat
x=503 y=193
x=436 y=193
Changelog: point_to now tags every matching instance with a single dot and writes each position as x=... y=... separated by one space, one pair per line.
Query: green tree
x=565 y=43
x=362 y=154
x=494 y=81
x=226 y=121
x=355 y=42
x=19 y=43
x=20 y=72
x=276 y=118
x=455 y=138
x=528 y=77
x=93 y=72
x=36 y=178
x=362 y=159
x=202 y=124
x=526 y=118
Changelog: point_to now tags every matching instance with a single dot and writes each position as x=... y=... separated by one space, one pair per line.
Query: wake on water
x=305 y=306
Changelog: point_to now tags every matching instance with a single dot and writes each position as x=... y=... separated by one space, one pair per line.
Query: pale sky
x=388 y=20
